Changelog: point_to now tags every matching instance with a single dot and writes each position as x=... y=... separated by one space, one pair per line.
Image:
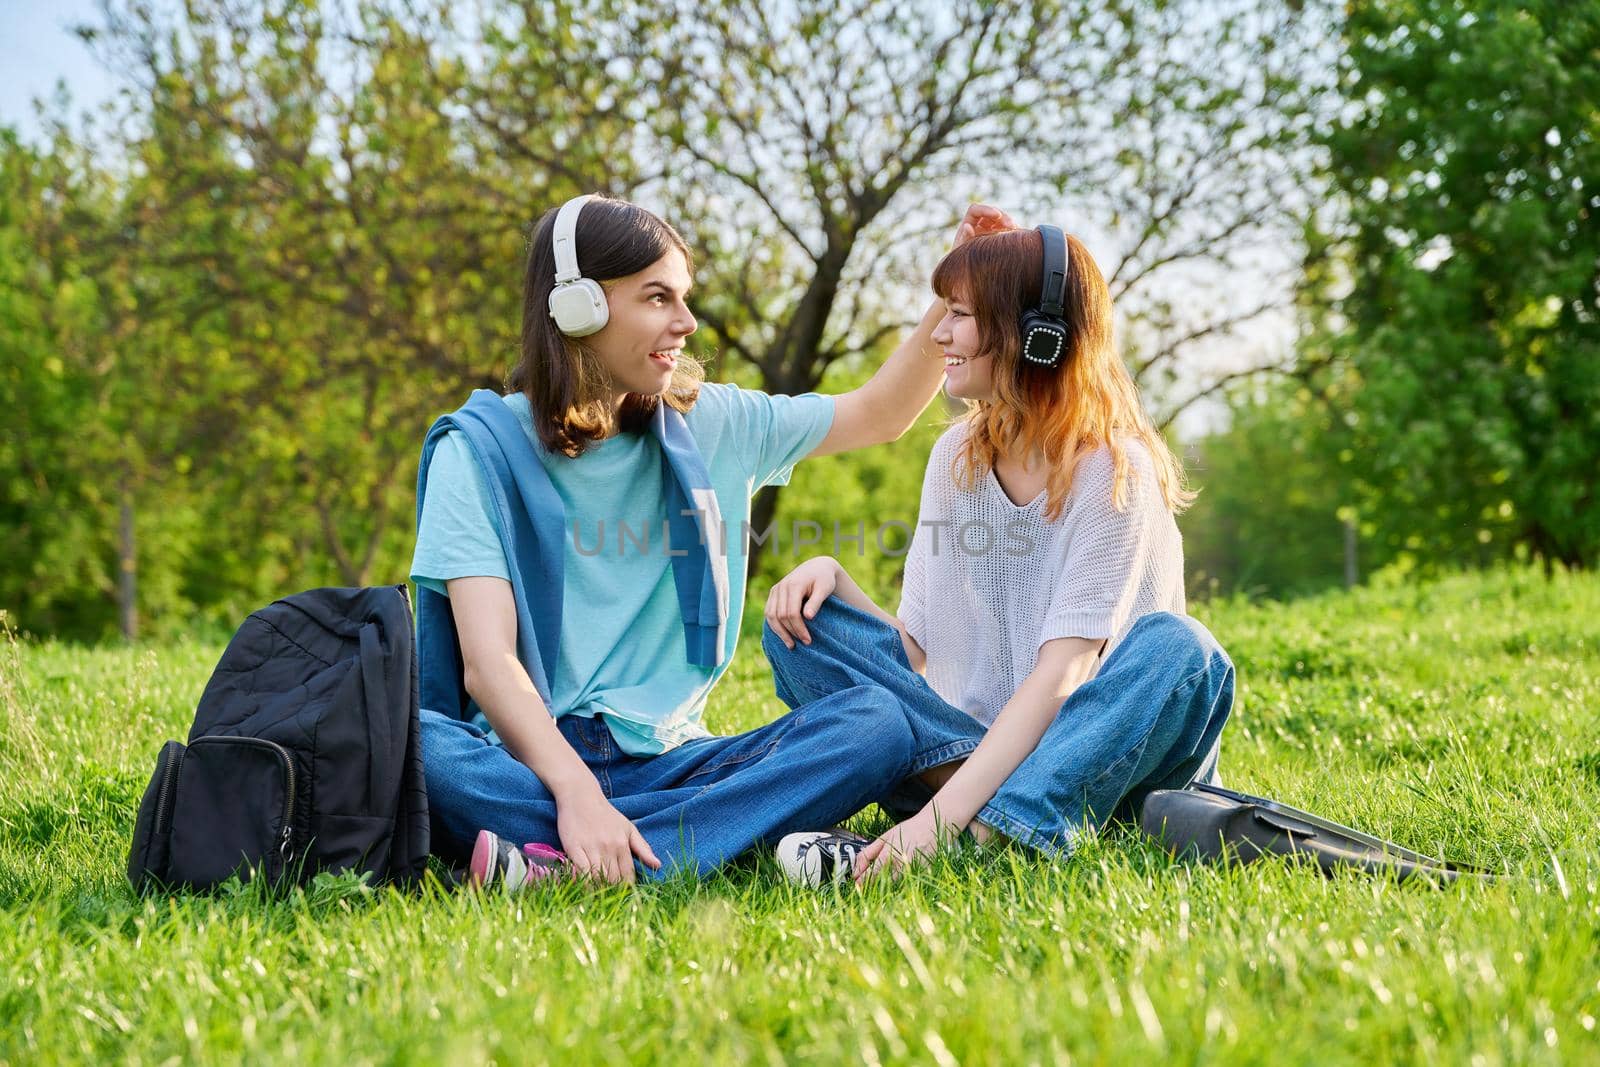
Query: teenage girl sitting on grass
x=1041 y=648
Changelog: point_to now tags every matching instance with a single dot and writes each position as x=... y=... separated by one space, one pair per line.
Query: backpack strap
x=383 y=769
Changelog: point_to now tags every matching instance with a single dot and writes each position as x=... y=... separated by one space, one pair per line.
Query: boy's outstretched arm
x=887 y=404
x=891 y=400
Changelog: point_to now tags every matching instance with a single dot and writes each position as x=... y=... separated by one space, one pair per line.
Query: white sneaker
x=820 y=857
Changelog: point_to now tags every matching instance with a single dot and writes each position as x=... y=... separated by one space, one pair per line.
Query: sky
x=37 y=50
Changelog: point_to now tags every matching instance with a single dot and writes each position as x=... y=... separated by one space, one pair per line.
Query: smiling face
x=642 y=341
x=967 y=375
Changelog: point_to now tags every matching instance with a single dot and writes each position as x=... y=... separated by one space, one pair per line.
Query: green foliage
x=1454 y=716
x=1273 y=497
x=1464 y=334
x=84 y=437
x=51 y=531
x=234 y=334
x=231 y=311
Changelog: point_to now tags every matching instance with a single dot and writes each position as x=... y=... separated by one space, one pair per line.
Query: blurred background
x=250 y=250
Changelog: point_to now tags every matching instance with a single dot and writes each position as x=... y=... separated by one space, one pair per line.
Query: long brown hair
x=1085 y=402
x=568 y=389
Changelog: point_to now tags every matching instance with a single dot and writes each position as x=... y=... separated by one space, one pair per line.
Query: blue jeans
x=1150 y=719
x=700 y=804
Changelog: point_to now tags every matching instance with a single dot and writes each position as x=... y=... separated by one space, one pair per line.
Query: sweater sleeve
x=1107 y=550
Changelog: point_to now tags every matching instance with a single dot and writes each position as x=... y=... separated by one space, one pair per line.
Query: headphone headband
x=1053 y=290
x=565 y=240
x=578 y=304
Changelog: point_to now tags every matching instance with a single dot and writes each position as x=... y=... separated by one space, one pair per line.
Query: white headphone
x=578 y=304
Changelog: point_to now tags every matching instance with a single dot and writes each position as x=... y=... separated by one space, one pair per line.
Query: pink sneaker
x=497 y=862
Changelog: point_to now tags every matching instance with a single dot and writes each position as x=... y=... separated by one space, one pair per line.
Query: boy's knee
x=769 y=639
x=432 y=735
x=824 y=631
x=874 y=715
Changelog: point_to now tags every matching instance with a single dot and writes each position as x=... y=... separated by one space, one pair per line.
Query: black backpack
x=304 y=755
x=1218 y=825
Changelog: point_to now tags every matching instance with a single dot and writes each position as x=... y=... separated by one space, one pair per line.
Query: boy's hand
x=599 y=839
x=982 y=218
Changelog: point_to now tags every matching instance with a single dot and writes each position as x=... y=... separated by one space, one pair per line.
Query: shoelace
x=834 y=850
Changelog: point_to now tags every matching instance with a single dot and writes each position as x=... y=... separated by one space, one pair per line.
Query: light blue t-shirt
x=622 y=654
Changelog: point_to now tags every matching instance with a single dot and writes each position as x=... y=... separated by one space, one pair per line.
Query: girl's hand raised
x=798 y=595
x=982 y=218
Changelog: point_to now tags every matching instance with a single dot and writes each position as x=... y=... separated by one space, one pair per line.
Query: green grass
x=1457 y=717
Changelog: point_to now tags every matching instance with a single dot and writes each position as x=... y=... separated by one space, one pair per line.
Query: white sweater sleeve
x=1108 y=551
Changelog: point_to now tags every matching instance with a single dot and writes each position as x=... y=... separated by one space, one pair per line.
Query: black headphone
x=1044 y=329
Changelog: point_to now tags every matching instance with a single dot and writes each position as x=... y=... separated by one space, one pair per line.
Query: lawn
x=1456 y=717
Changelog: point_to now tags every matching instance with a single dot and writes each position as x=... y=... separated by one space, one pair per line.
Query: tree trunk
x=1352 y=573
x=127 y=567
x=763 y=507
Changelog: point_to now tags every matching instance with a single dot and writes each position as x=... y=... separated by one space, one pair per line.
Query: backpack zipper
x=169 y=777
x=285 y=852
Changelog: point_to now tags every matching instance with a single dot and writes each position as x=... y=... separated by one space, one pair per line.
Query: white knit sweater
x=987 y=582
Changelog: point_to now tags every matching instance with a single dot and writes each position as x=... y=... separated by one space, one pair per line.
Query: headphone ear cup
x=1044 y=339
x=579 y=307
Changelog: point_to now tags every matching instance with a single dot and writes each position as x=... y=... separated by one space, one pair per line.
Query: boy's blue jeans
x=1150 y=719
x=698 y=805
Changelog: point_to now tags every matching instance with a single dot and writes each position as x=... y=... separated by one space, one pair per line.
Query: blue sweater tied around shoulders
x=531 y=521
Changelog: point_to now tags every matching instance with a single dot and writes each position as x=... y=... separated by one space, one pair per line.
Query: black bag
x=1219 y=825
x=304 y=756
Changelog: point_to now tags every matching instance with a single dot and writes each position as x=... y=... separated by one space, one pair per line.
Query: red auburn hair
x=1086 y=401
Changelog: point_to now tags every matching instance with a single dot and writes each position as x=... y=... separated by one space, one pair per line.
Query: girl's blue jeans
x=699 y=804
x=1150 y=719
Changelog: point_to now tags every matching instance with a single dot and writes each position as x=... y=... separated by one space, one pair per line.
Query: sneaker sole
x=483 y=853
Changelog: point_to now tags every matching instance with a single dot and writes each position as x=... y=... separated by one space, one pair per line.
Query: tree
x=84 y=445
x=825 y=150
x=55 y=527
x=1462 y=332
x=1277 y=499
x=302 y=239
x=380 y=275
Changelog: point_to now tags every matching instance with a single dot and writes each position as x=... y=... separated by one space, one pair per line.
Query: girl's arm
x=1063 y=665
x=1103 y=561
x=796 y=598
x=597 y=838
